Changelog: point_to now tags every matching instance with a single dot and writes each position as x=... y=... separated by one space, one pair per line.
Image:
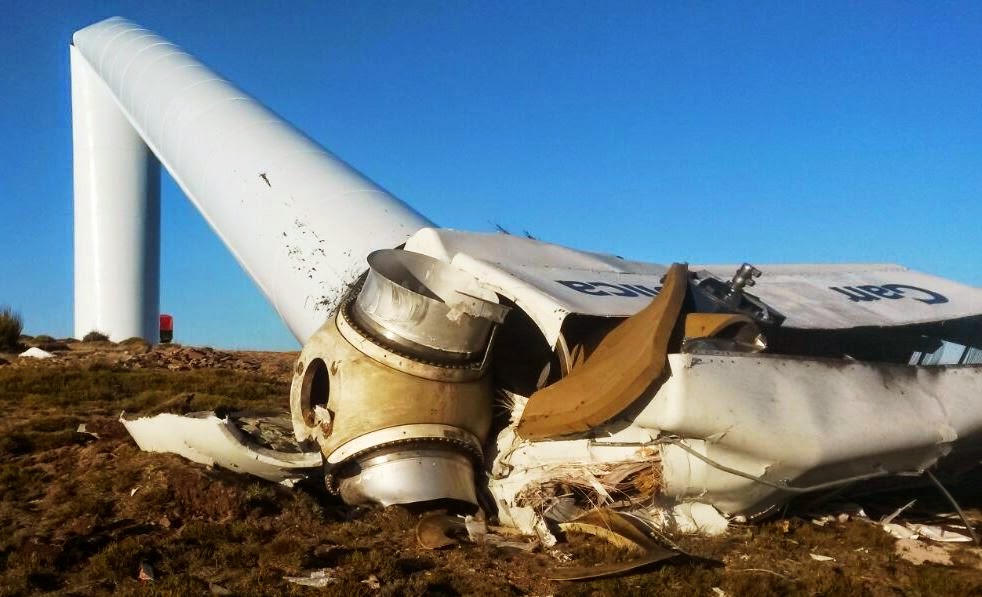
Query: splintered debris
x=820 y=558
x=889 y=518
x=614 y=527
x=317 y=579
x=209 y=440
x=81 y=429
x=910 y=531
x=621 y=530
x=936 y=533
x=829 y=518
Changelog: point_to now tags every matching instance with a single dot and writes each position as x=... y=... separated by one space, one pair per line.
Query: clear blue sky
x=723 y=132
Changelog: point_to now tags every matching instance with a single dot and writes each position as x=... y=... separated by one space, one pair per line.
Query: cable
x=968 y=525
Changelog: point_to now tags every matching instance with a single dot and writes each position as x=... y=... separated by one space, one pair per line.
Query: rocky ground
x=89 y=513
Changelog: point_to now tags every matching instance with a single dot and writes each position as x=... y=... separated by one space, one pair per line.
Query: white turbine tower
x=299 y=220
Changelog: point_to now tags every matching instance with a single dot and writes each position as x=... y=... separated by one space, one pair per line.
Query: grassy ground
x=80 y=515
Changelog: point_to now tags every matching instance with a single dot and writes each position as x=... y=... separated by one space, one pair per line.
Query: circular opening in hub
x=423 y=306
x=315 y=390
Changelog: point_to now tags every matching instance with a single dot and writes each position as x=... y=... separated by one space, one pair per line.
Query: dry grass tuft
x=11 y=325
x=95 y=336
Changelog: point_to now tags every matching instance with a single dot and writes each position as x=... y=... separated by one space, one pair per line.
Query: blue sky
x=724 y=132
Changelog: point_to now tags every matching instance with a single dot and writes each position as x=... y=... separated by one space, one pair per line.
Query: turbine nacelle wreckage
x=526 y=378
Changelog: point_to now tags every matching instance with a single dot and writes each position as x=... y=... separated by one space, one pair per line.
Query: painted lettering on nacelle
x=609 y=289
x=872 y=292
x=856 y=294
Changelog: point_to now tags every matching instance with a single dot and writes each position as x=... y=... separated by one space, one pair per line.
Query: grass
x=79 y=515
x=106 y=389
x=95 y=336
x=11 y=325
x=136 y=344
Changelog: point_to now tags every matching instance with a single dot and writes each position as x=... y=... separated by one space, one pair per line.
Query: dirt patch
x=137 y=354
x=917 y=552
x=83 y=514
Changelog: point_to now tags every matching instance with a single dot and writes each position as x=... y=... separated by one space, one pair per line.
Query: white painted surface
x=857 y=295
x=531 y=273
x=794 y=420
x=806 y=421
x=298 y=219
x=117 y=215
x=208 y=440
x=550 y=282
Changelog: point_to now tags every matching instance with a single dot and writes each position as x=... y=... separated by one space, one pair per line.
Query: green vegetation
x=100 y=388
x=11 y=325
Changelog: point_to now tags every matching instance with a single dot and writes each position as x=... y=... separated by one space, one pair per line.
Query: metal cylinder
x=426 y=307
x=388 y=436
x=394 y=390
x=421 y=473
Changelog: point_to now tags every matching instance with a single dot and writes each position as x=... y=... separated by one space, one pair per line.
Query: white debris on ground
x=695 y=518
x=908 y=531
x=36 y=353
x=209 y=440
x=913 y=531
x=917 y=543
x=317 y=579
x=84 y=431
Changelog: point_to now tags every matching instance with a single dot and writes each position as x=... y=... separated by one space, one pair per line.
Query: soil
x=89 y=513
